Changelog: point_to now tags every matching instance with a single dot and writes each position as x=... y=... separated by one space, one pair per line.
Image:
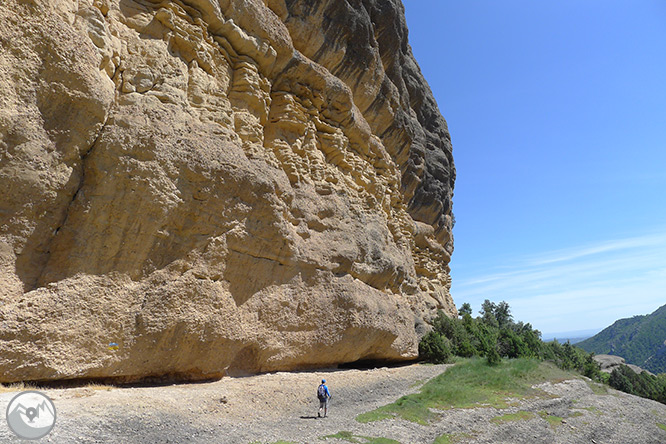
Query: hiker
x=324 y=395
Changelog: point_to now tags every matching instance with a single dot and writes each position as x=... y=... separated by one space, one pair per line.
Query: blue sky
x=557 y=112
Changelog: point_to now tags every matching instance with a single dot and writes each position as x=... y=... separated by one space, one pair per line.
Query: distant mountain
x=571 y=336
x=640 y=340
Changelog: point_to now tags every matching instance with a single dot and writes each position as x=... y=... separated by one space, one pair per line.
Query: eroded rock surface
x=216 y=186
x=609 y=363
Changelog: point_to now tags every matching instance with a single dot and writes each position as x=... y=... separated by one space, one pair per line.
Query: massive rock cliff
x=217 y=186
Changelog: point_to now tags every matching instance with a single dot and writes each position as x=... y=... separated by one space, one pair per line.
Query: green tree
x=487 y=313
x=464 y=309
x=660 y=381
x=591 y=368
x=620 y=380
x=510 y=344
x=532 y=342
x=503 y=314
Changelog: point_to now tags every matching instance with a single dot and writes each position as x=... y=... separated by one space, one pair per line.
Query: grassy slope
x=468 y=384
x=639 y=340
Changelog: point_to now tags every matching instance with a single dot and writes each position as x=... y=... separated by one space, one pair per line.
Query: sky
x=557 y=114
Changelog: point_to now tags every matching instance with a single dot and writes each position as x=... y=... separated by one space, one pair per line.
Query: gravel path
x=283 y=406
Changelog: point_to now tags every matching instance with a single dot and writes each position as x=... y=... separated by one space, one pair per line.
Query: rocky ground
x=282 y=406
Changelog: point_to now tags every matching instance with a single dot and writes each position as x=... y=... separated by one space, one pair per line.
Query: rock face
x=609 y=363
x=217 y=186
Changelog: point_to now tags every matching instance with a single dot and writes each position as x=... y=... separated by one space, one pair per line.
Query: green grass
x=453 y=438
x=552 y=420
x=661 y=426
x=347 y=436
x=350 y=437
x=592 y=409
x=385 y=412
x=417 y=383
x=444 y=439
x=470 y=383
x=512 y=417
x=597 y=389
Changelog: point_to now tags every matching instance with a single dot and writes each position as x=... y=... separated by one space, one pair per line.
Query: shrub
x=510 y=345
x=454 y=329
x=435 y=348
x=466 y=349
x=592 y=369
x=532 y=342
x=493 y=357
x=486 y=336
x=621 y=380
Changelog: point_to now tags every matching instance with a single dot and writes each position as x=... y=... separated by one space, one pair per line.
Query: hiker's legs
x=325 y=407
x=322 y=407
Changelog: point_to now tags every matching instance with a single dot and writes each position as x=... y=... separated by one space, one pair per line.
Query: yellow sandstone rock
x=217 y=187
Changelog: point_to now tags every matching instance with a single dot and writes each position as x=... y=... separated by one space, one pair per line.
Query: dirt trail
x=283 y=406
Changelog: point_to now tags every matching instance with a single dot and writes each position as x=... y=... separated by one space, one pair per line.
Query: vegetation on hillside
x=471 y=383
x=495 y=335
x=644 y=384
x=639 y=340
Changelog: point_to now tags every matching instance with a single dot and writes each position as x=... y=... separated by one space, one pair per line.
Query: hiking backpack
x=321 y=392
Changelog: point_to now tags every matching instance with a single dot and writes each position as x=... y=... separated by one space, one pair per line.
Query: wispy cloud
x=567 y=255
x=577 y=288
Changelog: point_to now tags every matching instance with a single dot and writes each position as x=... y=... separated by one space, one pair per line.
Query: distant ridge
x=640 y=340
x=571 y=336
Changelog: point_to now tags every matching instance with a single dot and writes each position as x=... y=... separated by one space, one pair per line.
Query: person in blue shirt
x=324 y=395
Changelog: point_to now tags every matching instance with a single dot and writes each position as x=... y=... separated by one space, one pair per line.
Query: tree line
x=495 y=335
